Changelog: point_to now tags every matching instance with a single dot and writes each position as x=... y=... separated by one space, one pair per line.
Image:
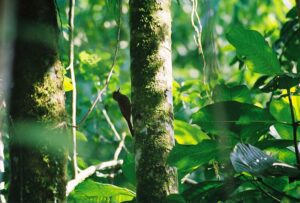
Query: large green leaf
x=278 y=144
x=247 y=121
x=280 y=108
x=285 y=131
x=186 y=133
x=211 y=191
x=90 y=191
x=189 y=157
x=259 y=56
x=238 y=93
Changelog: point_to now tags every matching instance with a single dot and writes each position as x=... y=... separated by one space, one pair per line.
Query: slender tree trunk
x=38 y=163
x=6 y=37
x=152 y=105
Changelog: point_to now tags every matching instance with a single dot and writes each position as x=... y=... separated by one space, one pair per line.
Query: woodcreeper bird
x=125 y=107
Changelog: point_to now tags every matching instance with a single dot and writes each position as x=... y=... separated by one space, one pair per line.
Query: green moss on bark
x=151 y=79
x=38 y=163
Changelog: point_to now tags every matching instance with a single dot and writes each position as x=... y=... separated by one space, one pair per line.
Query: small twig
x=110 y=72
x=267 y=193
x=121 y=145
x=187 y=180
x=89 y=172
x=255 y=183
x=74 y=92
x=112 y=126
x=295 y=125
x=110 y=175
x=279 y=192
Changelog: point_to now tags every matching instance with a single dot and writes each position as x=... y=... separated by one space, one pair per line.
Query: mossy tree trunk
x=38 y=160
x=152 y=106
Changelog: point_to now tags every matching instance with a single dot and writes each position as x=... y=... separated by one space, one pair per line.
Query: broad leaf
x=284 y=131
x=278 y=144
x=187 y=133
x=251 y=44
x=284 y=81
x=90 y=191
x=278 y=183
x=238 y=93
x=233 y=118
x=280 y=109
x=189 y=157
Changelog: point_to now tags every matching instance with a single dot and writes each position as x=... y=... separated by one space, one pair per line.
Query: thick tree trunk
x=38 y=163
x=152 y=106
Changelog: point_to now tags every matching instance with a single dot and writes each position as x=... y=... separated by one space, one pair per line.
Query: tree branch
x=111 y=124
x=121 y=145
x=89 y=172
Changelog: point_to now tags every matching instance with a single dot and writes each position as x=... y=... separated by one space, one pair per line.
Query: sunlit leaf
x=81 y=137
x=68 y=86
x=186 y=133
x=88 y=58
x=90 y=191
x=251 y=44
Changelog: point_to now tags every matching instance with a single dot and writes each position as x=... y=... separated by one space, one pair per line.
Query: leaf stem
x=283 y=194
x=295 y=125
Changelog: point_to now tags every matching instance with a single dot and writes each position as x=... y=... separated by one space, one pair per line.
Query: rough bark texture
x=152 y=108
x=38 y=163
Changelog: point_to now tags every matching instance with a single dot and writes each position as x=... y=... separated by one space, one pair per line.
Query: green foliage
x=186 y=133
x=238 y=105
x=259 y=57
x=231 y=113
x=241 y=121
x=90 y=191
x=189 y=157
x=238 y=93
